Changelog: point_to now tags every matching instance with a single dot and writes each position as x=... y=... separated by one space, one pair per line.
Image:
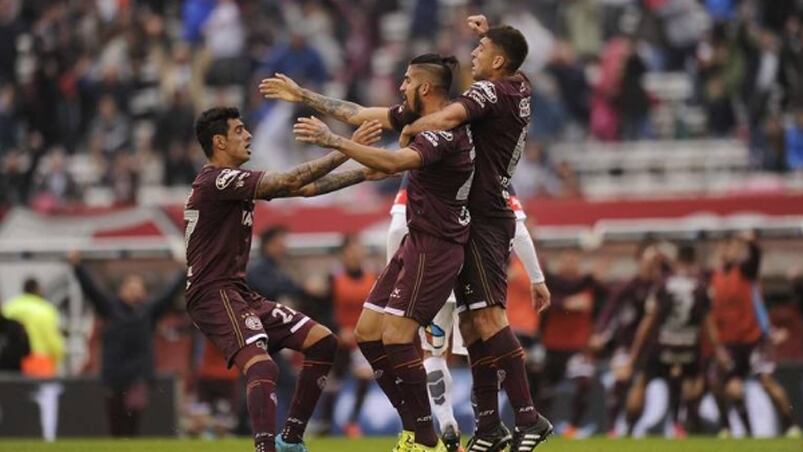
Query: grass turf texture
x=385 y=444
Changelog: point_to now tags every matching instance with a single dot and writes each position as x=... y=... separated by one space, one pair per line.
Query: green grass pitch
x=385 y=444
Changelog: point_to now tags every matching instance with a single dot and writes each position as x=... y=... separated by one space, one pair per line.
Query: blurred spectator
x=174 y=139
x=41 y=321
x=632 y=100
x=791 y=71
x=55 y=185
x=265 y=274
x=297 y=59
x=123 y=178
x=127 y=364
x=794 y=142
x=8 y=127
x=14 y=346
x=571 y=79
x=110 y=131
x=349 y=287
x=225 y=42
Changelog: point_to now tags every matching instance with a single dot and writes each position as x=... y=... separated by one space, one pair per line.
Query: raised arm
x=312 y=130
x=282 y=87
x=446 y=119
x=99 y=298
x=161 y=303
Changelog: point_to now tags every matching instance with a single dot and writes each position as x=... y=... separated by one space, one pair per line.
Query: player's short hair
x=30 y=285
x=440 y=67
x=512 y=44
x=214 y=121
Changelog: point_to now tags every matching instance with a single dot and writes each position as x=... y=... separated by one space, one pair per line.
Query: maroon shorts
x=233 y=317
x=483 y=280
x=418 y=279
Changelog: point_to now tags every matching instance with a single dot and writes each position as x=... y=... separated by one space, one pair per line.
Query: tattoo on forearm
x=275 y=185
x=340 y=109
x=333 y=182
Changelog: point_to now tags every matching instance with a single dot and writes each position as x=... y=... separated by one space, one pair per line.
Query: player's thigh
x=285 y=326
x=380 y=293
x=369 y=325
x=224 y=316
x=483 y=280
x=428 y=274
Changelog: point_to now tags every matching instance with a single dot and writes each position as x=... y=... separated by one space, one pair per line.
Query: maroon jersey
x=624 y=310
x=219 y=217
x=438 y=190
x=681 y=304
x=499 y=113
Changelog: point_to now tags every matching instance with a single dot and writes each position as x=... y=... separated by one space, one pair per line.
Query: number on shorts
x=284 y=313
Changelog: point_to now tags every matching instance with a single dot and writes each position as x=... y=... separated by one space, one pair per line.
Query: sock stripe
x=517 y=353
x=260 y=381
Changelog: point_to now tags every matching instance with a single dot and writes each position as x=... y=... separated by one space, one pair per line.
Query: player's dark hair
x=512 y=44
x=440 y=67
x=30 y=285
x=687 y=254
x=214 y=121
x=271 y=232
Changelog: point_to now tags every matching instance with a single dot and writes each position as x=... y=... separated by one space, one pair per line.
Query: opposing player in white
x=435 y=337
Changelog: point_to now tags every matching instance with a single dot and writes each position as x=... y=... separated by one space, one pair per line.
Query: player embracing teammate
x=497 y=108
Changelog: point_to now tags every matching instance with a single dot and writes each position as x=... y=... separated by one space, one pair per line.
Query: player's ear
x=498 y=62
x=219 y=141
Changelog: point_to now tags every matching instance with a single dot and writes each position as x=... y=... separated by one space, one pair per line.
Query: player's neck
x=223 y=161
x=434 y=106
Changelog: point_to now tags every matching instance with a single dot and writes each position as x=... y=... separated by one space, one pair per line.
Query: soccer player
x=617 y=324
x=565 y=331
x=418 y=279
x=742 y=319
x=669 y=335
x=395 y=118
x=243 y=325
x=497 y=106
x=435 y=337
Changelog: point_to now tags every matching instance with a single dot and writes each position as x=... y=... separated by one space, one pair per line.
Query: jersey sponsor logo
x=432 y=137
x=252 y=322
x=448 y=136
x=488 y=90
x=225 y=178
x=476 y=97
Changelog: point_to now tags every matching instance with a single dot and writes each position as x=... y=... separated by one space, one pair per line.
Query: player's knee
x=398 y=330
x=467 y=330
x=324 y=350
x=368 y=328
x=489 y=321
x=255 y=363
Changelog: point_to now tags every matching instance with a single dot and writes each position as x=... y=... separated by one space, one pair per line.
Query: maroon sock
x=374 y=352
x=317 y=363
x=409 y=368
x=261 y=400
x=484 y=390
x=510 y=358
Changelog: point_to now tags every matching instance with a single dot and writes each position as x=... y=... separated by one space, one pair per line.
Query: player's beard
x=418 y=106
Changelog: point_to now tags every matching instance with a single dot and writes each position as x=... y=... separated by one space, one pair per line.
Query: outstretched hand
x=369 y=133
x=312 y=130
x=478 y=24
x=280 y=87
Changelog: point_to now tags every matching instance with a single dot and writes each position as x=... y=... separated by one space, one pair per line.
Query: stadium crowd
x=103 y=93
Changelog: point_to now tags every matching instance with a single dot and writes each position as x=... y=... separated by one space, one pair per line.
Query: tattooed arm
x=336 y=181
x=312 y=130
x=297 y=181
x=284 y=184
x=282 y=87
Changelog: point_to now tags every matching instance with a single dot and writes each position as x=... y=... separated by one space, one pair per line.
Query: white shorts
x=446 y=324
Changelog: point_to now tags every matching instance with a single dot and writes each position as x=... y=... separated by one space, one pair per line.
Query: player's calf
x=318 y=360
x=261 y=374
